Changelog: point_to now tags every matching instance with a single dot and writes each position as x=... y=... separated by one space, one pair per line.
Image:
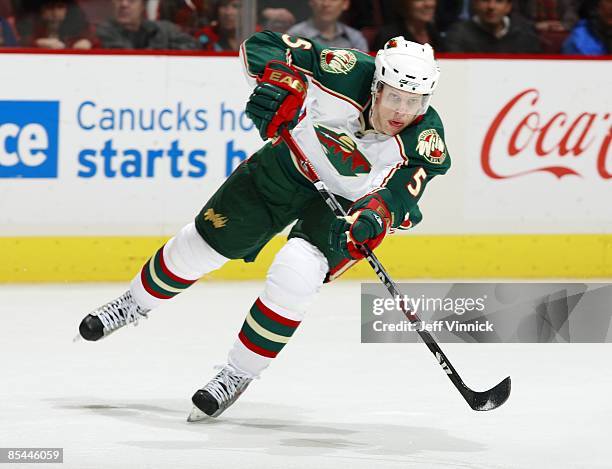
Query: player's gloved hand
x=367 y=223
x=277 y=98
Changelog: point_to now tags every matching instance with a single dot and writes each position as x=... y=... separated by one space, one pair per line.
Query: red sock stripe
x=166 y=271
x=147 y=287
x=255 y=348
x=274 y=316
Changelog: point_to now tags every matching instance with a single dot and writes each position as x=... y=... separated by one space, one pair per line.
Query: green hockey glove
x=277 y=99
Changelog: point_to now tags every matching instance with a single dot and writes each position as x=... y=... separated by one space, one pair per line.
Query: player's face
x=492 y=12
x=395 y=109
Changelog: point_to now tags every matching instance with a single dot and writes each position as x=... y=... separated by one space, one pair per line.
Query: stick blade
x=491 y=399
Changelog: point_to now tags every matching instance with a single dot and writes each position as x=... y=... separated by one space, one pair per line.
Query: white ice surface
x=327 y=402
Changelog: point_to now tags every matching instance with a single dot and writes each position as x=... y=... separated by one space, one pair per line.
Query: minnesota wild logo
x=431 y=146
x=337 y=61
x=342 y=152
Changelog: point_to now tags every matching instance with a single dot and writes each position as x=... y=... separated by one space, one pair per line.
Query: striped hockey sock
x=159 y=281
x=293 y=280
x=174 y=267
x=266 y=332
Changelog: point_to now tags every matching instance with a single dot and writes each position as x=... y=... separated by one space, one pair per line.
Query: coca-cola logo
x=543 y=142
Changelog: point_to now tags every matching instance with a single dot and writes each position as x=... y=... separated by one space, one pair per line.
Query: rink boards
x=110 y=258
x=108 y=155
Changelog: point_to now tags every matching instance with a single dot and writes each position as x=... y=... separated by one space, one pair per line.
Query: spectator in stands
x=128 y=29
x=549 y=15
x=451 y=11
x=553 y=20
x=592 y=35
x=96 y=11
x=299 y=10
x=7 y=35
x=189 y=15
x=278 y=20
x=54 y=24
x=490 y=30
x=324 y=26
x=221 y=34
x=415 y=21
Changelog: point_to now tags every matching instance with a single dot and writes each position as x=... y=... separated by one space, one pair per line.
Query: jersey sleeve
x=345 y=71
x=425 y=157
x=403 y=191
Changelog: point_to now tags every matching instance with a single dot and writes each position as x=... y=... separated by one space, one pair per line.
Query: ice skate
x=110 y=317
x=220 y=393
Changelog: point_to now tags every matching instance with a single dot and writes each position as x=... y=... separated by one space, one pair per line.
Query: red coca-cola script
x=532 y=144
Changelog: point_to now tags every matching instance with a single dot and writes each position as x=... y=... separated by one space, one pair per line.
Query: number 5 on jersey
x=415 y=187
x=296 y=42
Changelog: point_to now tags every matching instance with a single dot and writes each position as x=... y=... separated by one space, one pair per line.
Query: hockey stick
x=486 y=400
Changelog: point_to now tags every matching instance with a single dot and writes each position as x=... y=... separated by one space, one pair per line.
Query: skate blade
x=197 y=415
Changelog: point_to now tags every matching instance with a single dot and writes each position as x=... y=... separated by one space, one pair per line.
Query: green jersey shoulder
x=423 y=144
x=346 y=72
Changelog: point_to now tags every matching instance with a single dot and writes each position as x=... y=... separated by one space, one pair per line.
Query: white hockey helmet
x=407 y=66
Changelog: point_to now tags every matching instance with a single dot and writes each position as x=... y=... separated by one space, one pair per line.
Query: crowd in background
x=468 y=26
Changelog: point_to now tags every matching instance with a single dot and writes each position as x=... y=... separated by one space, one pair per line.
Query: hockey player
x=366 y=126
